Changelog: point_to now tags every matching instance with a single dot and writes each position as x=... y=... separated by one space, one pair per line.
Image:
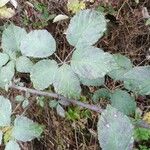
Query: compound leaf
x=6 y=74
x=122 y=101
x=66 y=82
x=115 y=130
x=42 y=74
x=3 y=59
x=92 y=63
x=24 y=64
x=38 y=44
x=124 y=65
x=138 y=80
x=25 y=129
x=5 y=111
x=86 y=27
x=12 y=145
x=11 y=38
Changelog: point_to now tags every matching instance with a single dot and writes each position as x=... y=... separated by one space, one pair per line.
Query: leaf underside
x=25 y=129
x=138 y=80
x=5 y=111
x=38 y=44
x=122 y=101
x=85 y=28
x=92 y=63
x=42 y=74
x=115 y=130
x=66 y=82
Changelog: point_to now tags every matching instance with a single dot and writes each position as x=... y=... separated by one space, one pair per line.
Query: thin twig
x=69 y=54
x=58 y=58
x=75 y=102
x=57 y=96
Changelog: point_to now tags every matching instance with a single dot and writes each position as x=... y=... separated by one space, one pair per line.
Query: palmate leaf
x=66 y=82
x=5 y=112
x=6 y=74
x=24 y=64
x=11 y=38
x=122 y=101
x=25 y=129
x=85 y=28
x=124 y=65
x=38 y=44
x=12 y=145
x=42 y=73
x=138 y=80
x=3 y=59
x=92 y=63
x=115 y=130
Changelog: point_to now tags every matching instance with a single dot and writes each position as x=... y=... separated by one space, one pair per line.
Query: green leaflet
x=141 y=134
x=42 y=73
x=101 y=94
x=122 y=101
x=25 y=103
x=5 y=112
x=38 y=44
x=124 y=65
x=24 y=64
x=3 y=59
x=11 y=38
x=66 y=82
x=85 y=28
x=115 y=130
x=92 y=82
x=6 y=74
x=92 y=63
x=25 y=129
x=19 y=98
x=12 y=145
x=138 y=80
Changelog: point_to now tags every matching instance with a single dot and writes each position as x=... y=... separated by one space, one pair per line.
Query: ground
x=127 y=34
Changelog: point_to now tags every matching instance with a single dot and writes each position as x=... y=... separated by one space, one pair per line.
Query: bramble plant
x=30 y=53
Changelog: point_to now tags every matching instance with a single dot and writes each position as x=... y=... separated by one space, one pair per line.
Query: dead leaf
x=3 y=2
x=6 y=12
x=75 y=5
x=14 y=3
x=60 y=17
x=145 y=13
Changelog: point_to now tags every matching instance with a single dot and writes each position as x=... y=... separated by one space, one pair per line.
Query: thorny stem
x=72 y=101
x=57 y=96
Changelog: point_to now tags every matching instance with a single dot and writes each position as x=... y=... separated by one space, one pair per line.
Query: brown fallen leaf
x=6 y=12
